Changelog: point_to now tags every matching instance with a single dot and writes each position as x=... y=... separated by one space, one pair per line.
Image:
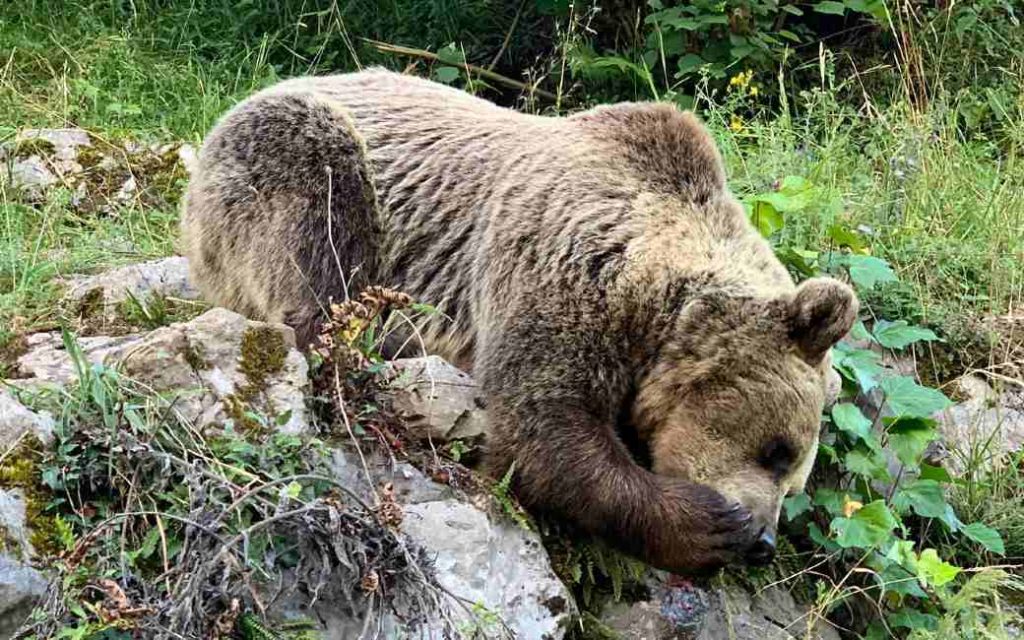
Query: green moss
x=238 y=410
x=21 y=470
x=90 y=305
x=195 y=356
x=263 y=355
x=89 y=157
x=34 y=147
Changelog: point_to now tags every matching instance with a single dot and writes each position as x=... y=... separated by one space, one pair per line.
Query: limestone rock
x=203 y=362
x=485 y=560
x=435 y=399
x=16 y=420
x=988 y=420
x=684 y=612
x=21 y=588
x=167 y=277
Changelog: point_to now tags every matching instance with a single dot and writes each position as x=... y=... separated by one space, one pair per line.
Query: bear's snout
x=762 y=551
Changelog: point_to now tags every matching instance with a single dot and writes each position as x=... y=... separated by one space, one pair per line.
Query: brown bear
x=595 y=274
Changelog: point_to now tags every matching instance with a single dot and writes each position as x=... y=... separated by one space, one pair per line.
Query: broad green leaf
x=766 y=217
x=845 y=237
x=849 y=418
x=819 y=538
x=834 y=8
x=866 y=462
x=868 y=271
x=451 y=54
x=899 y=334
x=909 y=618
x=925 y=497
x=928 y=472
x=860 y=332
x=859 y=365
x=934 y=571
x=909 y=437
x=870 y=527
x=830 y=499
x=689 y=63
x=446 y=75
x=908 y=399
x=985 y=536
x=796 y=505
x=950 y=520
x=897 y=579
x=902 y=552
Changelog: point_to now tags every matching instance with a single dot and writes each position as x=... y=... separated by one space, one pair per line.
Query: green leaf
x=860 y=332
x=902 y=552
x=868 y=271
x=933 y=571
x=908 y=399
x=830 y=499
x=899 y=334
x=796 y=505
x=866 y=462
x=897 y=579
x=844 y=237
x=446 y=75
x=847 y=417
x=451 y=54
x=909 y=618
x=834 y=8
x=928 y=472
x=819 y=538
x=869 y=527
x=690 y=63
x=925 y=497
x=766 y=218
x=909 y=437
x=859 y=365
x=985 y=536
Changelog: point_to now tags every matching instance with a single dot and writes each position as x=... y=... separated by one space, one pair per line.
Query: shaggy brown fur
x=599 y=279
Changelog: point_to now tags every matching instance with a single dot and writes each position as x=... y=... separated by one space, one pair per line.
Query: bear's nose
x=762 y=551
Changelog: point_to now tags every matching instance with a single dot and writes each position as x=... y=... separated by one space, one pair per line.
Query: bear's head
x=735 y=398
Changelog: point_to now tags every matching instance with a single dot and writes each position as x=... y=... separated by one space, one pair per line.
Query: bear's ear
x=820 y=314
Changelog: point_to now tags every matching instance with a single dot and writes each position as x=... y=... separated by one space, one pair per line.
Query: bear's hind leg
x=281 y=217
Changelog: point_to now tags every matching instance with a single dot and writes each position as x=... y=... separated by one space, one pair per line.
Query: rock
x=988 y=421
x=32 y=175
x=435 y=399
x=208 y=363
x=167 y=277
x=13 y=533
x=496 y=564
x=16 y=421
x=65 y=142
x=127 y=191
x=485 y=560
x=21 y=588
x=46 y=157
x=685 y=612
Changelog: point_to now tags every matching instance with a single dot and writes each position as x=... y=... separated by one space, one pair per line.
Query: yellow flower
x=851 y=507
x=754 y=91
x=735 y=124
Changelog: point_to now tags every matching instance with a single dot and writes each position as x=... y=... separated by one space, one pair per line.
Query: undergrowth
x=161 y=530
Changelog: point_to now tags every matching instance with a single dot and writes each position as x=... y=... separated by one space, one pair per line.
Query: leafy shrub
x=884 y=509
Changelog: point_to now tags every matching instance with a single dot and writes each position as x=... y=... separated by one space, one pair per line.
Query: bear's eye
x=777 y=455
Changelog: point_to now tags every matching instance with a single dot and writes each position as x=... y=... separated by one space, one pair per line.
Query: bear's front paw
x=701 y=529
